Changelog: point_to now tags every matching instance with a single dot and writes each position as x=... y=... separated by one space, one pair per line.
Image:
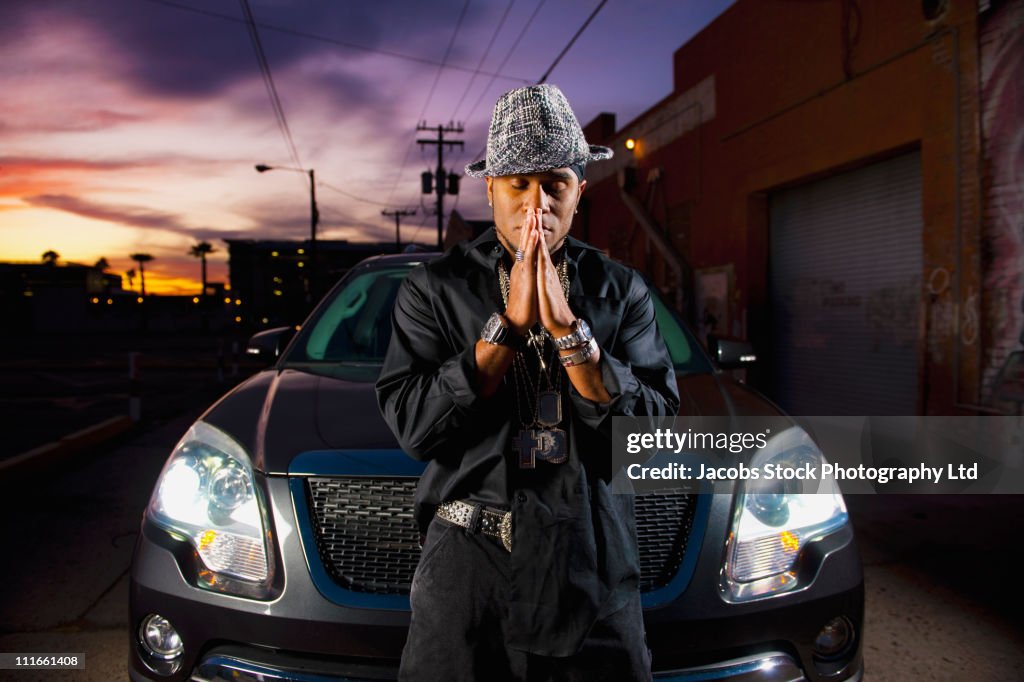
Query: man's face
x=557 y=192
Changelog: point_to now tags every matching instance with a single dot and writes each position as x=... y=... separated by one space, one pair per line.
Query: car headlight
x=206 y=496
x=777 y=515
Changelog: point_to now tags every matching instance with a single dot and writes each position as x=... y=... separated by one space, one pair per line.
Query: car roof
x=398 y=258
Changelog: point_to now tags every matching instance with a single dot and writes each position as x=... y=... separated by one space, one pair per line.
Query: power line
x=352 y=196
x=487 y=52
x=268 y=79
x=332 y=41
x=444 y=60
x=551 y=68
x=571 y=42
x=504 y=61
x=430 y=96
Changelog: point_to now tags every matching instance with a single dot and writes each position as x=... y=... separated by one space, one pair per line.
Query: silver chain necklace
x=539 y=437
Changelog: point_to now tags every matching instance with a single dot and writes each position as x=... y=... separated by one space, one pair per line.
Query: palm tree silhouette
x=102 y=264
x=50 y=257
x=130 y=274
x=200 y=251
x=142 y=259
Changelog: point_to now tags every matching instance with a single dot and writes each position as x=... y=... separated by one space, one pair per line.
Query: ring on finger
x=519 y=255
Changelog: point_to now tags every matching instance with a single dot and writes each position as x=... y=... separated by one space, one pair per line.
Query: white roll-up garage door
x=845 y=275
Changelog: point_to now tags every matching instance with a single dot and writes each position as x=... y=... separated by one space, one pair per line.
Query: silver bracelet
x=579 y=335
x=581 y=356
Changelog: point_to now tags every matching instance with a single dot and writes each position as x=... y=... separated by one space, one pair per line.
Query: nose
x=535 y=197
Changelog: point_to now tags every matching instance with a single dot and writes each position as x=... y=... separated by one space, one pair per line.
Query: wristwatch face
x=494 y=330
x=583 y=332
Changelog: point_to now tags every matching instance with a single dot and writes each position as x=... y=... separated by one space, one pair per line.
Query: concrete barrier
x=45 y=457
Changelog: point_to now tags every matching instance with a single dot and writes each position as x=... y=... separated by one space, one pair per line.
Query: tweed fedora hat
x=534 y=129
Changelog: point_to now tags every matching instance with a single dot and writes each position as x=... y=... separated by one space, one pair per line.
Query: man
x=509 y=356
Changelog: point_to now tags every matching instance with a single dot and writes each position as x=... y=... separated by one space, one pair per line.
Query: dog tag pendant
x=549 y=408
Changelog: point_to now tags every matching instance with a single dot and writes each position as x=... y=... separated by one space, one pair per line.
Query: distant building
x=843 y=189
x=271 y=281
x=51 y=297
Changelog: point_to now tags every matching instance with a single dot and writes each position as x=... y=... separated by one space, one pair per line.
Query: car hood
x=719 y=394
x=279 y=414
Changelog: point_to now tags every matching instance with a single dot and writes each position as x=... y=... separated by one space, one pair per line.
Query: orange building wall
x=794 y=101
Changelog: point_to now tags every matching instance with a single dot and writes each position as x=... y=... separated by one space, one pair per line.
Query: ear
x=579 y=195
x=490 y=191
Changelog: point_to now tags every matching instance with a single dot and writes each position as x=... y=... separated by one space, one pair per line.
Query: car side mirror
x=268 y=344
x=731 y=353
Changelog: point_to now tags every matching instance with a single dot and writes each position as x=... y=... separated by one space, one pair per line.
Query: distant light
x=265 y=320
x=238 y=319
x=302 y=251
x=301 y=264
x=138 y=300
x=27 y=293
x=278 y=280
x=277 y=292
x=238 y=301
x=274 y=254
x=110 y=301
x=195 y=299
x=227 y=299
x=95 y=300
x=630 y=143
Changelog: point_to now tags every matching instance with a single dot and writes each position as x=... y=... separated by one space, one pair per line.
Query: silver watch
x=579 y=335
x=496 y=331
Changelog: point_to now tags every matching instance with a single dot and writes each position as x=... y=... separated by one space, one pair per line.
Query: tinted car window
x=687 y=356
x=353 y=327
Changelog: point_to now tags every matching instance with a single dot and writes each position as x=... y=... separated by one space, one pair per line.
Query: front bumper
x=300 y=635
x=228 y=666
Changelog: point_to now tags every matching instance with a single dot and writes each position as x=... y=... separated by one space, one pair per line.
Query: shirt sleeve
x=637 y=371
x=424 y=400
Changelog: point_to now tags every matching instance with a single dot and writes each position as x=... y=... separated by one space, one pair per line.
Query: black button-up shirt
x=574 y=551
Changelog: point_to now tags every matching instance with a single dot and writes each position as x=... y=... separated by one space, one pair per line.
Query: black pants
x=459 y=616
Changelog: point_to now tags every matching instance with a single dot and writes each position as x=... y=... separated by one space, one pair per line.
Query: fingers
x=530 y=250
x=524 y=234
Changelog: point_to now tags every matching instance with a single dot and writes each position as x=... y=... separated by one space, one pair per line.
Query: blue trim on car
x=396 y=463
x=681 y=580
x=321 y=578
x=344 y=463
x=392 y=462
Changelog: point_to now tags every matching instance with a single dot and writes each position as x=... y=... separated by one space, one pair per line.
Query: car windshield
x=349 y=333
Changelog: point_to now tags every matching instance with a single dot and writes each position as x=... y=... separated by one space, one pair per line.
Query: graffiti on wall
x=1002 y=81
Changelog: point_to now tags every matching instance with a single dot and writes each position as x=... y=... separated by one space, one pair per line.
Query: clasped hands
x=535 y=290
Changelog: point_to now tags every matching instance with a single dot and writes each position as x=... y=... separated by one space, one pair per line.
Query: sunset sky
x=134 y=125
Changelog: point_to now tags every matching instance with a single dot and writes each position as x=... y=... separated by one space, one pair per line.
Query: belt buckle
x=505 y=530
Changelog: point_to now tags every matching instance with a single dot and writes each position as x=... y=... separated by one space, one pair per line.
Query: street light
x=314 y=219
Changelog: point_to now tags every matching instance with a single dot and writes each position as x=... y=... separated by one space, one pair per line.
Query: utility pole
x=398 y=225
x=440 y=177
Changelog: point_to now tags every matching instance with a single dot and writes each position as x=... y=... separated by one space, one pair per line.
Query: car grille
x=368 y=541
